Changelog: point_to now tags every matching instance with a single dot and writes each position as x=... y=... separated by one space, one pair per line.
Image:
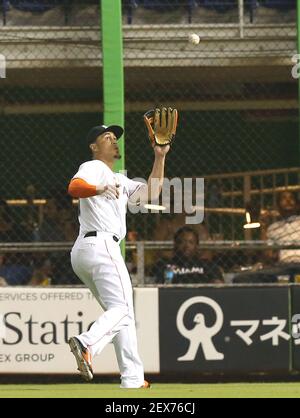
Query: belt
x=94 y=234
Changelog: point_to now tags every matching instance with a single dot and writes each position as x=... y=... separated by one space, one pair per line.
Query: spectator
x=13 y=271
x=131 y=255
x=286 y=229
x=6 y=222
x=186 y=265
x=63 y=273
x=42 y=271
x=28 y=227
x=3 y=282
x=58 y=225
x=10 y=231
x=53 y=269
x=50 y=229
x=170 y=223
x=67 y=218
x=284 y=263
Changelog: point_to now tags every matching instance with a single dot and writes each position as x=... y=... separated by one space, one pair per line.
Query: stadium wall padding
x=186 y=331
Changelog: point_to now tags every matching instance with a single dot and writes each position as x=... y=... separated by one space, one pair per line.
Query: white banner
x=36 y=323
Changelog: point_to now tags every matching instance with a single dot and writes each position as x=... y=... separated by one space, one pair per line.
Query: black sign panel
x=224 y=329
x=296 y=326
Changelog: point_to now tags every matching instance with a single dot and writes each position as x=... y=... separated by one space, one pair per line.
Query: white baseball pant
x=98 y=262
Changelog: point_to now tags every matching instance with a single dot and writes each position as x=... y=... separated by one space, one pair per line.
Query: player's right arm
x=79 y=188
x=90 y=181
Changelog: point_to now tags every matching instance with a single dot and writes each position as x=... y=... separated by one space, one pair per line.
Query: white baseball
x=194 y=39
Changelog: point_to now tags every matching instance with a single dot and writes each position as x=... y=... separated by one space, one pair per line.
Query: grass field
x=236 y=390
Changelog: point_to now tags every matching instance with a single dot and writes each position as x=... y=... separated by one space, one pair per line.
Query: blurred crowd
x=186 y=263
x=57 y=222
x=189 y=263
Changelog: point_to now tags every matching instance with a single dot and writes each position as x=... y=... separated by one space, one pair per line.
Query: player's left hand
x=161 y=124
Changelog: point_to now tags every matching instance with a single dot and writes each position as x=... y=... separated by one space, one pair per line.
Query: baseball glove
x=161 y=125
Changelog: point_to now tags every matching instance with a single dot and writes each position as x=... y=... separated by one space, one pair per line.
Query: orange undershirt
x=81 y=189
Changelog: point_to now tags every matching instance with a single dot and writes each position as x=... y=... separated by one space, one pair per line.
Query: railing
x=226 y=198
x=36 y=7
x=228 y=194
x=231 y=185
x=142 y=248
x=188 y=8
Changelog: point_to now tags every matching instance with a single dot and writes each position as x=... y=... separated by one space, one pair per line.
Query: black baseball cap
x=99 y=130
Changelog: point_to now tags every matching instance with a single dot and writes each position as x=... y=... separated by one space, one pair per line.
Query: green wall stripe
x=113 y=73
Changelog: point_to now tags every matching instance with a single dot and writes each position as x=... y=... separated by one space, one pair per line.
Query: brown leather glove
x=161 y=125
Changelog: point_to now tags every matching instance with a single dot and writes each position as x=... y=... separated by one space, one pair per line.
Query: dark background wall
x=45 y=150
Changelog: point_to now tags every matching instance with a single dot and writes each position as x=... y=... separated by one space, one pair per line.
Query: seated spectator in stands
x=186 y=265
x=50 y=229
x=42 y=271
x=53 y=269
x=59 y=224
x=170 y=223
x=67 y=215
x=62 y=272
x=3 y=282
x=10 y=230
x=14 y=271
x=6 y=223
x=29 y=217
x=286 y=230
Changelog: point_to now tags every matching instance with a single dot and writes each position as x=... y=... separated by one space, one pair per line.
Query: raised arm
x=150 y=192
x=156 y=178
x=161 y=124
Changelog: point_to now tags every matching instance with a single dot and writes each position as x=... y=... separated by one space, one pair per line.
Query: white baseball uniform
x=283 y=232
x=98 y=262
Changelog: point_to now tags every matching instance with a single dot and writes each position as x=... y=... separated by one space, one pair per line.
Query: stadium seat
x=191 y=4
x=279 y=4
x=129 y=6
x=130 y=3
x=34 y=5
x=219 y=5
x=161 y=5
x=4 y=5
x=250 y=6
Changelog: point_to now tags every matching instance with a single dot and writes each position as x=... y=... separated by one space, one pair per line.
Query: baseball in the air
x=194 y=39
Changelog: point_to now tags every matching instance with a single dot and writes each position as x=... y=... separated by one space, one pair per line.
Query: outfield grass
x=236 y=390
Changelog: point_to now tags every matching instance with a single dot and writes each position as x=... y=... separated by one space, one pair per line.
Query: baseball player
x=96 y=257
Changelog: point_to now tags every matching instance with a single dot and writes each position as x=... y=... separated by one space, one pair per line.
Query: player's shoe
x=83 y=358
x=146 y=385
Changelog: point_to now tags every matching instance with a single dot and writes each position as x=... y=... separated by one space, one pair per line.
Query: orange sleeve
x=80 y=188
